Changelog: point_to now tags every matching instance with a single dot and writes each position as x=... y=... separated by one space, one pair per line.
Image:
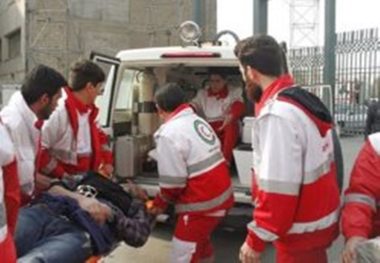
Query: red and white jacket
x=72 y=141
x=215 y=106
x=24 y=129
x=361 y=215
x=295 y=190
x=9 y=196
x=193 y=174
x=9 y=182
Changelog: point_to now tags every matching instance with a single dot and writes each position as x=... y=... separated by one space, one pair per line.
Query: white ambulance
x=128 y=114
x=127 y=109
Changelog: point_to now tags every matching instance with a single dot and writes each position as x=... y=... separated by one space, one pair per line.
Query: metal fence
x=357 y=82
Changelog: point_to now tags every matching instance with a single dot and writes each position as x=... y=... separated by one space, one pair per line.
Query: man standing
x=295 y=188
x=193 y=176
x=24 y=116
x=9 y=197
x=360 y=215
x=373 y=119
x=222 y=107
x=72 y=142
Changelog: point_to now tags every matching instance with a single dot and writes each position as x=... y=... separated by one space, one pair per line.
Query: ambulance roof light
x=189 y=32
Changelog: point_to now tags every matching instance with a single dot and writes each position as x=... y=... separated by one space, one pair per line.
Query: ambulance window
x=124 y=99
x=103 y=101
x=124 y=103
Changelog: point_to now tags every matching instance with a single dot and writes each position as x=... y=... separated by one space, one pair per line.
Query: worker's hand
x=248 y=255
x=137 y=191
x=226 y=122
x=42 y=182
x=153 y=210
x=349 y=254
x=106 y=169
x=97 y=210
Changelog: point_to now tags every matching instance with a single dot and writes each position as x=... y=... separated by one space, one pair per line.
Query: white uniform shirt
x=6 y=157
x=191 y=144
x=286 y=143
x=20 y=121
x=58 y=135
x=84 y=135
x=215 y=108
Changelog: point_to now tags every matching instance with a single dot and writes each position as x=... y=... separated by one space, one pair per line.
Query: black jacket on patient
x=129 y=222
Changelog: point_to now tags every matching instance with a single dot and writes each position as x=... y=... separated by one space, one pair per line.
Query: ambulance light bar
x=191 y=54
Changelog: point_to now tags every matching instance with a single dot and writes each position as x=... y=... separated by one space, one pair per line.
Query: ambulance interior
x=135 y=119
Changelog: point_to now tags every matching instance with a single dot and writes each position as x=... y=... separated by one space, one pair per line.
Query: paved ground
x=229 y=236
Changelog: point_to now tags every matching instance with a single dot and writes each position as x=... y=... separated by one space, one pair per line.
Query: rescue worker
x=24 y=116
x=222 y=106
x=294 y=188
x=9 y=197
x=360 y=214
x=193 y=176
x=72 y=141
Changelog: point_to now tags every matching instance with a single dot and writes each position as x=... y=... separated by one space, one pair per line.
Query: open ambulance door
x=105 y=101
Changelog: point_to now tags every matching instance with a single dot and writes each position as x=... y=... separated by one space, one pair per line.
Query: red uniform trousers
x=309 y=256
x=228 y=137
x=192 y=238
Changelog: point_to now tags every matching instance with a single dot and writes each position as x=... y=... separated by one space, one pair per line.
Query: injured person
x=80 y=217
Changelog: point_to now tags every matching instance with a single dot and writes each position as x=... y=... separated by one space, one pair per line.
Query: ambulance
x=127 y=108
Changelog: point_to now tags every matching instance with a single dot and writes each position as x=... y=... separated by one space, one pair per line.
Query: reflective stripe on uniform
x=3 y=233
x=278 y=187
x=206 y=163
x=205 y=205
x=291 y=188
x=50 y=166
x=360 y=198
x=324 y=168
x=262 y=233
x=323 y=223
x=171 y=181
x=3 y=222
x=297 y=228
x=3 y=217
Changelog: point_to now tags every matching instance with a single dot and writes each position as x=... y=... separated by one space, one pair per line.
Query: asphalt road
x=229 y=236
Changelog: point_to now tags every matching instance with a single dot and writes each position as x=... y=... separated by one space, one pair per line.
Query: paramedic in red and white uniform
x=9 y=197
x=193 y=176
x=295 y=190
x=222 y=106
x=72 y=141
x=23 y=117
x=361 y=215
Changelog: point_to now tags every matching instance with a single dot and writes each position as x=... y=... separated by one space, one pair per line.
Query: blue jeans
x=43 y=237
